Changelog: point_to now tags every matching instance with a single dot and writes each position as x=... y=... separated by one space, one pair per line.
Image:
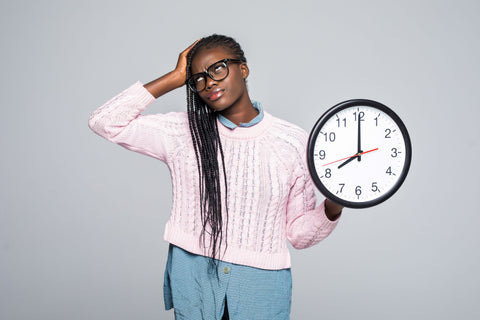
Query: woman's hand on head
x=181 y=68
x=172 y=80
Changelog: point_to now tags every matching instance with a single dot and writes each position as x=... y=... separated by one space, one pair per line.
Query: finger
x=186 y=51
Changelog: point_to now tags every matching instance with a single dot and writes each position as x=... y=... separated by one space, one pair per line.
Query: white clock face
x=360 y=155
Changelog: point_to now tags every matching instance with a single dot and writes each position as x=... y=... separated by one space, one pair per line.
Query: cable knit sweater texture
x=271 y=196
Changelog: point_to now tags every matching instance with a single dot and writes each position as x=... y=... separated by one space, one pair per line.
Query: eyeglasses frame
x=226 y=61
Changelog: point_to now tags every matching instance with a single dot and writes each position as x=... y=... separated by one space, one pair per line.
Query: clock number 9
x=321 y=154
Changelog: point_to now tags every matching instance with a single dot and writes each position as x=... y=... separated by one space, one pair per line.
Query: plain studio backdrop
x=81 y=219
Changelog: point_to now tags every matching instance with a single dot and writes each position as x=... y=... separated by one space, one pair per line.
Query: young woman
x=240 y=182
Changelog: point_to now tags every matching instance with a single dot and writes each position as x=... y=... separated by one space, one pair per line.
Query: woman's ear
x=244 y=69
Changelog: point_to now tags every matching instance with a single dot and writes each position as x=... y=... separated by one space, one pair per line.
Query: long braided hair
x=206 y=141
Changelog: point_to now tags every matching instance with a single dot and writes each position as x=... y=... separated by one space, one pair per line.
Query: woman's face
x=223 y=94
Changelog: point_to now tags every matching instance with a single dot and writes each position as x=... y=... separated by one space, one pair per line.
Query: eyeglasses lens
x=217 y=72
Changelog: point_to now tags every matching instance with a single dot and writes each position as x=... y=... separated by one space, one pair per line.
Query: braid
x=206 y=141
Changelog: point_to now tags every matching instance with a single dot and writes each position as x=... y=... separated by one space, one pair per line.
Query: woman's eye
x=199 y=79
x=218 y=68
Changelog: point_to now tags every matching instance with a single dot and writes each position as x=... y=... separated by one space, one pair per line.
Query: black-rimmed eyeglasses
x=217 y=71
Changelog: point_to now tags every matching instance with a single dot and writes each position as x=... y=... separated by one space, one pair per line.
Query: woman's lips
x=215 y=95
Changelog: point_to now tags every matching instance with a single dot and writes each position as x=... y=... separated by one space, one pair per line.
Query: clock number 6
x=358 y=191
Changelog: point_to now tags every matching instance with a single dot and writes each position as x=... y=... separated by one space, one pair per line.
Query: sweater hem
x=261 y=260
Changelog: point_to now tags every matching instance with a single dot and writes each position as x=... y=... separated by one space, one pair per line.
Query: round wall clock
x=359 y=153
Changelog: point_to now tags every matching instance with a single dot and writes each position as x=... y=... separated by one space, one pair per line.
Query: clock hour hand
x=350 y=159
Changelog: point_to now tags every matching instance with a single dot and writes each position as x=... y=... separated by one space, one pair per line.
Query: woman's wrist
x=166 y=83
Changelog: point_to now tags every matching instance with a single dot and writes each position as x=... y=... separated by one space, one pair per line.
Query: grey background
x=81 y=219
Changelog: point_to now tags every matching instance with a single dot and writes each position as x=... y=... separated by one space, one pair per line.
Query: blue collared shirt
x=229 y=124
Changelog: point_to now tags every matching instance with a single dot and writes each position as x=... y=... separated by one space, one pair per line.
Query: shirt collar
x=229 y=124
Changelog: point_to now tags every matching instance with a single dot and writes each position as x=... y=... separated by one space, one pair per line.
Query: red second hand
x=355 y=155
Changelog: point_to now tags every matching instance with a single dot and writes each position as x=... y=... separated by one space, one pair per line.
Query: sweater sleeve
x=307 y=225
x=119 y=121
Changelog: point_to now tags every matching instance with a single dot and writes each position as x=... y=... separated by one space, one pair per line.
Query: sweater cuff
x=144 y=96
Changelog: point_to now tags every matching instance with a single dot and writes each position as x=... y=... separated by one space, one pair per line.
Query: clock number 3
x=395 y=152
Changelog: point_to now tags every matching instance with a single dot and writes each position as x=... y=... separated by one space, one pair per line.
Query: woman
x=240 y=182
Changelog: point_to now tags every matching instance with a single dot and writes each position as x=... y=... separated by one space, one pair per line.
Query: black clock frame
x=311 y=154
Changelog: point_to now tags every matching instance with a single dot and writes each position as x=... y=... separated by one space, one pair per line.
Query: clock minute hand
x=359 y=141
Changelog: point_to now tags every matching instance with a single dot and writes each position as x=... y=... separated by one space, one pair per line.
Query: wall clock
x=359 y=153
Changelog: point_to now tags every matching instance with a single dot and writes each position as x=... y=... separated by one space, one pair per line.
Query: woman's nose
x=210 y=83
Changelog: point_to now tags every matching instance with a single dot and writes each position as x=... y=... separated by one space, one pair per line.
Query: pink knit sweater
x=270 y=193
